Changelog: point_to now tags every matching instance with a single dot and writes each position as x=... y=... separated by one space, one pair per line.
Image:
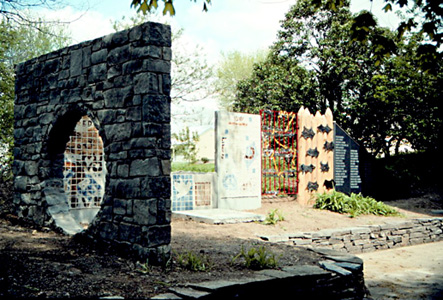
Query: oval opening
x=84 y=172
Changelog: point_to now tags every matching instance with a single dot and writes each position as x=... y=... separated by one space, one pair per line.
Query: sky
x=242 y=25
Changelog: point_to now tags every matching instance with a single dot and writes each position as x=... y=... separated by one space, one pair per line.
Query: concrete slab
x=218 y=216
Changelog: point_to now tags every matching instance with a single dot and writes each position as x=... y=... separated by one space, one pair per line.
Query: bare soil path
x=414 y=272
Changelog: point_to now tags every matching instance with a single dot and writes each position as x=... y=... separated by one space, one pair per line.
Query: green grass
x=354 y=205
x=183 y=166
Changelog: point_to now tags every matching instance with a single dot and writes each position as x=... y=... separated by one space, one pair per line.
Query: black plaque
x=346 y=162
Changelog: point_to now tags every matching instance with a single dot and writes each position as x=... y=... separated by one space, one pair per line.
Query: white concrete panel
x=238 y=160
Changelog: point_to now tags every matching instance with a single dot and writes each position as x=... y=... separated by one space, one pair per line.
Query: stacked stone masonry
x=371 y=237
x=122 y=83
x=337 y=276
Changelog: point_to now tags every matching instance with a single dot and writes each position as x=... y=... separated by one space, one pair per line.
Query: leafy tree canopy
x=423 y=16
x=233 y=67
x=314 y=64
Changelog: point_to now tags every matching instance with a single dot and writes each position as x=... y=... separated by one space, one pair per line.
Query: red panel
x=279 y=152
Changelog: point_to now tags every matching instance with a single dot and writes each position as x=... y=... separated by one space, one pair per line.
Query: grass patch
x=194 y=262
x=257 y=258
x=201 y=168
x=354 y=205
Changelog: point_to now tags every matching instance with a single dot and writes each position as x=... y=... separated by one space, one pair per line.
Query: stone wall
x=122 y=83
x=371 y=237
x=337 y=276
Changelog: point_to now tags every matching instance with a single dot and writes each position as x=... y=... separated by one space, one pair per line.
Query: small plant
x=194 y=262
x=205 y=160
x=355 y=205
x=144 y=268
x=273 y=217
x=257 y=258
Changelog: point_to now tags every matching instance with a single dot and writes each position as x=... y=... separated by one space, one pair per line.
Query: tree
x=423 y=16
x=17 y=13
x=186 y=144
x=379 y=102
x=310 y=64
x=20 y=42
x=191 y=74
x=233 y=67
x=275 y=86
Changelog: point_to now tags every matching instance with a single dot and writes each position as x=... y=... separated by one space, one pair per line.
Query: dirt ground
x=45 y=264
x=414 y=272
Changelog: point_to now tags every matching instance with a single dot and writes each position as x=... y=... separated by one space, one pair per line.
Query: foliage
x=20 y=42
x=355 y=204
x=146 y=6
x=407 y=175
x=186 y=145
x=257 y=258
x=233 y=67
x=273 y=217
x=15 y=10
x=201 y=168
x=314 y=64
x=190 y=71
x=423 y=16
x=194 y=262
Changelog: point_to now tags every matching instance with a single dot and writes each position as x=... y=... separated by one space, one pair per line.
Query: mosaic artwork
x=191 y=191
x=84 y=169
x=238 y=163
x=203 y=192
x=182 y=192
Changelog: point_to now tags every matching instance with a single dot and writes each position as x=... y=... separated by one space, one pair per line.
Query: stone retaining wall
x=337 y=276
x=371 y=237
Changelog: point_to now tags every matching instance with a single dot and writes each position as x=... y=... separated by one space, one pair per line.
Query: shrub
x=355 y=204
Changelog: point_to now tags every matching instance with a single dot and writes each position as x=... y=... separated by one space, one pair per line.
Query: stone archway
x=122 y=83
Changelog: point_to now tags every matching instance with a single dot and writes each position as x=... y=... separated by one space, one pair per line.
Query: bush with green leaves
x=354 y=205
x=257 y=258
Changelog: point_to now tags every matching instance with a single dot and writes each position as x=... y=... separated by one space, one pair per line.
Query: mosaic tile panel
x=182 y=192
x=84 y=169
